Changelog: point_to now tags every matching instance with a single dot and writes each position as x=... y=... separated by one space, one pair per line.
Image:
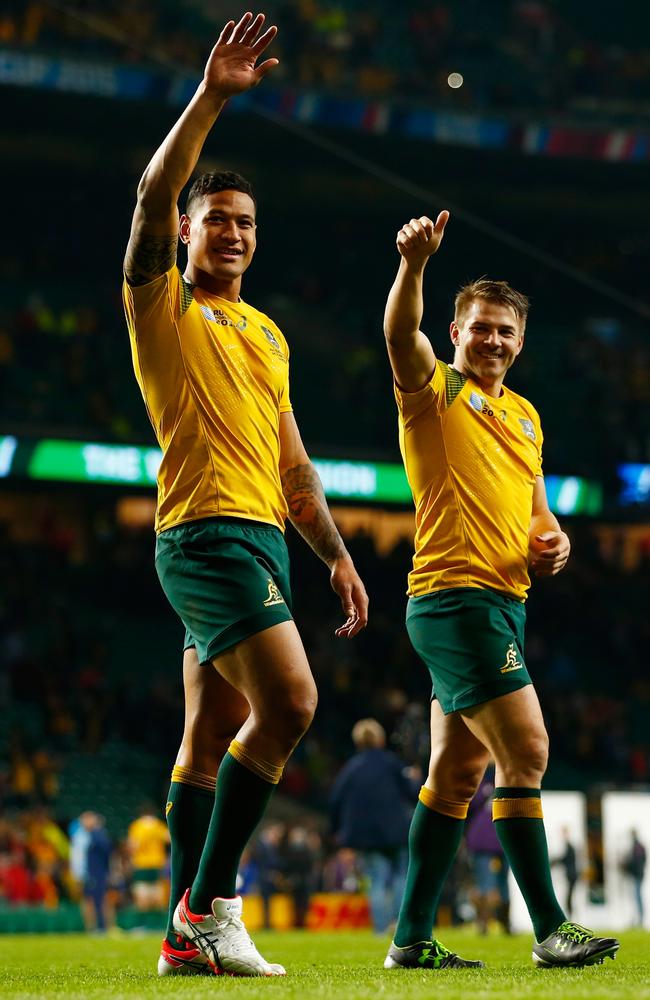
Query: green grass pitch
x=333 y=966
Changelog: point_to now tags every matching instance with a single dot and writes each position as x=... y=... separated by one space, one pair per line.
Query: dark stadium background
x=90 y=696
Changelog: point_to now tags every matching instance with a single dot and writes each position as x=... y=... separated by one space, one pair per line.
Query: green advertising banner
x=89 y=462
x=132 y=465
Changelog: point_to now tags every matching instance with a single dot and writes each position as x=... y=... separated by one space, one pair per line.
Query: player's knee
x=535 y=753
x=459 y=780
x=526 y=763
x=293 y=716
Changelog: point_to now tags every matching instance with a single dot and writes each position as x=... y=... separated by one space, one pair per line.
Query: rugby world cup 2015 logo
x=219 y=316
x=477 y=401
x=480 y=404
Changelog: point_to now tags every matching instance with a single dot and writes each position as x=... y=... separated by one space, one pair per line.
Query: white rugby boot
x=222 y=938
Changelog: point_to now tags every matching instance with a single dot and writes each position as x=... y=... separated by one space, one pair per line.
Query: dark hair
x=492 y=291
x=211 y=183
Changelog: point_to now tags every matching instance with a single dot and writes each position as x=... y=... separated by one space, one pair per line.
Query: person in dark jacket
x=371 y=805
x=634 y=865
x=93 y=847
x=569 y=861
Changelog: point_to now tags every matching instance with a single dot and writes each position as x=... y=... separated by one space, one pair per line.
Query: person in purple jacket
x=489 y=865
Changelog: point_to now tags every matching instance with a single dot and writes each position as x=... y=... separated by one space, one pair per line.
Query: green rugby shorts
x=226 y=578
x=472 y=642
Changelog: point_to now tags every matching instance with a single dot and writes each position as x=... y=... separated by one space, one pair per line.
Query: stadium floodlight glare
x=573 y=495
x=8 y=447
x=56 y=460
x=635 y=478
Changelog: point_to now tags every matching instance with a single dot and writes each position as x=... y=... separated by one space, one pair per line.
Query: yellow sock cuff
x=529 y=808
x=187 y=776
x=262 y=768
x=457 y=810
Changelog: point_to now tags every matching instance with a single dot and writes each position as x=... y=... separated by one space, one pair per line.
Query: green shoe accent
x=427 y=955
x=572 y=946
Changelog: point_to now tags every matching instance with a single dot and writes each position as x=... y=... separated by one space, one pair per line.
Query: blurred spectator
x=569 y=861
x=342 y=872
x=634 y=866
x=90 y=863
x=147 y=843
x=271 y=865
x=302 y=859
x=491 y=894
x=371 y=802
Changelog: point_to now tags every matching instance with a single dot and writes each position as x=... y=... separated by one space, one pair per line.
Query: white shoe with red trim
x=182 y=961
x=222 y=938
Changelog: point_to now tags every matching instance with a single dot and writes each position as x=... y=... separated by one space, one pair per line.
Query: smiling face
x=487 y=336
x=220 y=239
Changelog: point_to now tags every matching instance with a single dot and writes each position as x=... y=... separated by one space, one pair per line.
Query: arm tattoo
x=309 y=513
x=149 y=256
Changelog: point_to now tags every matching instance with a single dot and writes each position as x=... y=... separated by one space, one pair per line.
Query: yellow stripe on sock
x=187 y=776
x=517 y=809
x=457 y=810
x=262 y=768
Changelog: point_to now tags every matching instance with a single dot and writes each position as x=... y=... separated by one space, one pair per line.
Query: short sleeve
x=439 y=392
x=163 y=298
x=285 y=399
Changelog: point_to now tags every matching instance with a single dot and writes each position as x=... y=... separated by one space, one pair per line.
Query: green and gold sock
x=434 y=838
x=519 y=824
x=244 y=786
x=189 y=807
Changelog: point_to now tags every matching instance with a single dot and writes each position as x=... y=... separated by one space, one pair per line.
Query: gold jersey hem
x=469 y=585
x=206 y=515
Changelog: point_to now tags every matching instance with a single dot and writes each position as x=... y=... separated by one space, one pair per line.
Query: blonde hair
x=491 y=291
x=368 y=734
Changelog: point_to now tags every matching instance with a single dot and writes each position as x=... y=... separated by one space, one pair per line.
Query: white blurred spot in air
x=567 y=498
x=455 y=80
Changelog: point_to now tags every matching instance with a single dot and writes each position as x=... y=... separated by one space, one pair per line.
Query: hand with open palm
x=231 y=68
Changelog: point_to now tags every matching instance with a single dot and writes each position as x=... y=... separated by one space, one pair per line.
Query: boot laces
x=240 y=940
x=575 y=932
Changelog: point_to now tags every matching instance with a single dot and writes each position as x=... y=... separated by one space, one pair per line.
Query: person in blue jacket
x=371 y=805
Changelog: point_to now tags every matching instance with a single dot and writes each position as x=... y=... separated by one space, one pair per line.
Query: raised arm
x=548 y=545
x=410 y=352
x=231 y=69
x=310 y=516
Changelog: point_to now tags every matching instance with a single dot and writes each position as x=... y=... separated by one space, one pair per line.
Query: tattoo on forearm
x=148 y=256
x=309 y=513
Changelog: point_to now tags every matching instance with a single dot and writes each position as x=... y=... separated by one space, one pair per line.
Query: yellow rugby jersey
x=148 y=838
x=471 y=461
x=214 y=376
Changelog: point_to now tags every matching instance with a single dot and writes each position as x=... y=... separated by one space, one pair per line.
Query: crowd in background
x=76 y=657
x=513 y=54
x=84 y=671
